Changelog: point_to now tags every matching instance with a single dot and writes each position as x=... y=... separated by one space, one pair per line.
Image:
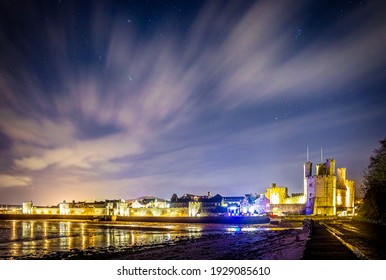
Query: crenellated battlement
x=327 y=192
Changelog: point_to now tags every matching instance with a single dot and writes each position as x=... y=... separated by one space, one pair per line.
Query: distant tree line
x=374 y=186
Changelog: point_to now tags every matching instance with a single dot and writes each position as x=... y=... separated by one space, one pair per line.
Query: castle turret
x=330 y=166
x=307 y=174
x=307 y=169
x=341 y=176
x=320 y=169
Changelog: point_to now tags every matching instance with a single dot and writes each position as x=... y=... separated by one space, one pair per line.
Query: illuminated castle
x=325 y=193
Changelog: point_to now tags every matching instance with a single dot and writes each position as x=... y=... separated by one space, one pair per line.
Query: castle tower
x=347 y=189
x=307 y=174
x=307 y=169
x=330 y=166
x=328 y=192
x=321 y=169
x=341 y=176
x=325 y=188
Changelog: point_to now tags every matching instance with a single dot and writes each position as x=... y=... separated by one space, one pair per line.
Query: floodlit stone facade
x=327 y=193
x=98 y=208
x=279 y=195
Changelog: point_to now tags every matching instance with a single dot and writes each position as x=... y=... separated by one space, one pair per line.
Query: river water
x=20 y=239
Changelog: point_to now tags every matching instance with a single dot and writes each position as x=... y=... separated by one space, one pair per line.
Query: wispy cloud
x=7 y=181
x=141 y=111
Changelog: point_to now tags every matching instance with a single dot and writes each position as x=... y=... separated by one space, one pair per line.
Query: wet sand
x=267 y=245
x=281 y=244
x=154 y=241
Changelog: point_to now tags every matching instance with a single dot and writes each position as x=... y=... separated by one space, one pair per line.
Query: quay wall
x=291 y=209
x=207 y=219
x=157 y=212
x=46 y=217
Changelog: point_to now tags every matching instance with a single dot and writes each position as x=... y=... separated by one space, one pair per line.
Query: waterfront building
x=27 y=207
x=232 y=204
x=199 y=204
x=52 y=210
x=96 y=208
x=262 y=205
x=154 y=203
x=136 y=204
x=247 y=205
x=117 y=207
x=11 y=209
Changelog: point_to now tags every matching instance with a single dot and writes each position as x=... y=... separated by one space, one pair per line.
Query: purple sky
x=120 y=99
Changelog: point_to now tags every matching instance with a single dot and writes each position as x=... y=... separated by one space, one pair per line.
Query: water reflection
x=26 y=228
x=36 y=238
x=46 y=244
x=82 y=232
x=62 y=233
x=14 y=233
x=132 y=238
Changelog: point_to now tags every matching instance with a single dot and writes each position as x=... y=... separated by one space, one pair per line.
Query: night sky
x=121 y=99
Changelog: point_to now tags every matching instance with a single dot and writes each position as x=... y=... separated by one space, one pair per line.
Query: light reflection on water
x=37 y=238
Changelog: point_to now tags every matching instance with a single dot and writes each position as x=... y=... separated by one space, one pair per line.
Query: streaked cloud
x=161 y=110
x=7 y=181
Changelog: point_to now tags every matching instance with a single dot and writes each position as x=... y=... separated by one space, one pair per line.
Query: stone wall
x=295 y=199
x=292 y=209
x=159 y=212
x=276 y=194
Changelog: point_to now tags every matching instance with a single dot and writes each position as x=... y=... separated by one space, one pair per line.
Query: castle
x=327 y=193
x=324 y=193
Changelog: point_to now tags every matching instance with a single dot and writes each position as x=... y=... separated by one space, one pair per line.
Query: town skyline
x=124 y=99
x=262 y=191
